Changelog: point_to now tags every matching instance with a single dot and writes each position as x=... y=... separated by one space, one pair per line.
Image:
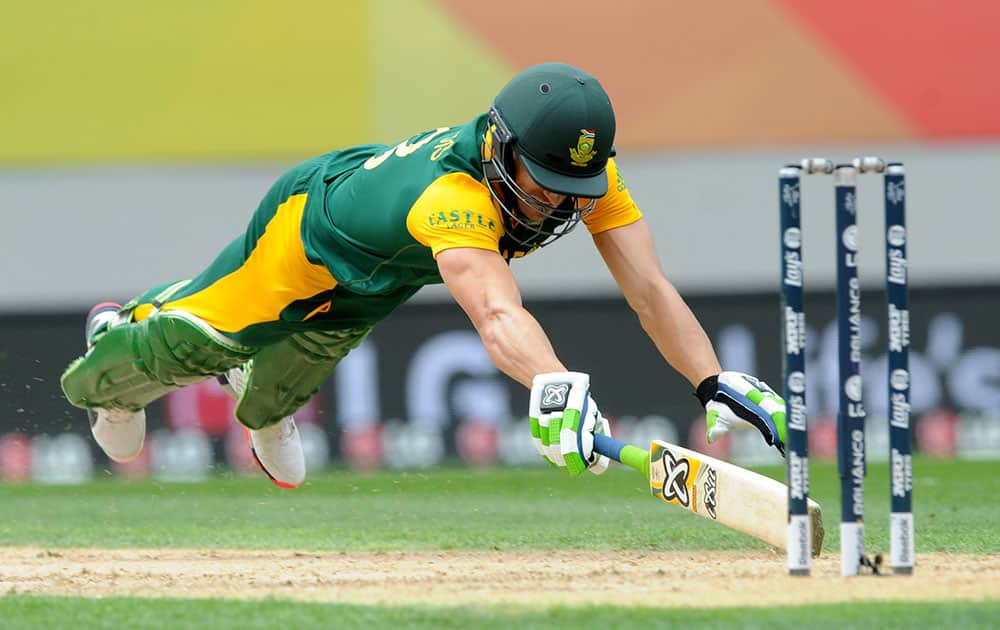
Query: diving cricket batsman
x=341 y=240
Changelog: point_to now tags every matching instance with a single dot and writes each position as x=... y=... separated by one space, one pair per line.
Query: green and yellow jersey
x=343 y=239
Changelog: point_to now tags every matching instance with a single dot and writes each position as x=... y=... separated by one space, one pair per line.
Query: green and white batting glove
x=734 y=400
x=564 y=419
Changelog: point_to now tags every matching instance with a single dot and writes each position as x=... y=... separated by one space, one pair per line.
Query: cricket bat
x=713 y=489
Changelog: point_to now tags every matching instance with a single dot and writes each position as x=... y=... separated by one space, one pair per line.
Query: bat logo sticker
x=711 y=483
x=675 y=486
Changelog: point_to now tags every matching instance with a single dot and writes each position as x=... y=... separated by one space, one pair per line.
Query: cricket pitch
x=450 y=578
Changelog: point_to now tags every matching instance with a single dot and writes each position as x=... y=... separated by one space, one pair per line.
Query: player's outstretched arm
x=732 y=400
x=631 y=256
x=563 y=415
x=483 y=285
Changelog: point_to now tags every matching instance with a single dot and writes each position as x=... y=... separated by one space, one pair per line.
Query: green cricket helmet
x=559 y=122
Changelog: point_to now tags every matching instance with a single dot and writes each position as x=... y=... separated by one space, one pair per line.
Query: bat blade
x=715 y=490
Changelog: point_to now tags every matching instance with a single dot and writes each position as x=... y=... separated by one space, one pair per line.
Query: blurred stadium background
x=135 y=140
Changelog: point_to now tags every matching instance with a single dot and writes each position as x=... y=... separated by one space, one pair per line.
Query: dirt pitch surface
x=674 y=579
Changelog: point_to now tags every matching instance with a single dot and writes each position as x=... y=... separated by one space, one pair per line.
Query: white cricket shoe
x=278 y=451
x=277 y=448
x=119 y=432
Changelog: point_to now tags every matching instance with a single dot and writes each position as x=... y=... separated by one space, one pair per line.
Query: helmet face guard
x=498 y=164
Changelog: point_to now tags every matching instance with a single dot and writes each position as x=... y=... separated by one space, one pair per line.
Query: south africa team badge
x=584 y=151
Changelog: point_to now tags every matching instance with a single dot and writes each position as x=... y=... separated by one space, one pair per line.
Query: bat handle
x=632 y=456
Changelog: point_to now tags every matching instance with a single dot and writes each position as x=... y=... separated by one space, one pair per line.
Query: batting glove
x=734 y=400
x=564 y=419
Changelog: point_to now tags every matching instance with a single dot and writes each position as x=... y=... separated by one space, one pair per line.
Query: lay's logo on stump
x=584 y=151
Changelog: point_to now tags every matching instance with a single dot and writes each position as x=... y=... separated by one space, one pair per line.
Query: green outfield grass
x=504 y=509
x=115 y=613
x=956 y=511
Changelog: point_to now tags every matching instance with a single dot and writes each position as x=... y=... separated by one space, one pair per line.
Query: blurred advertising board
x=422 y=390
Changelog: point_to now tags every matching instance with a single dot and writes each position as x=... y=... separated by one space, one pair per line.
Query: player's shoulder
x=457 y=189
x=455 y=210
x=456 y=200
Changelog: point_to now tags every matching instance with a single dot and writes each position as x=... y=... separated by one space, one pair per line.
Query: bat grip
x=632 y=456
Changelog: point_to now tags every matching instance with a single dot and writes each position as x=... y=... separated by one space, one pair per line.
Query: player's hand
x=734 y=400
x=564 y=419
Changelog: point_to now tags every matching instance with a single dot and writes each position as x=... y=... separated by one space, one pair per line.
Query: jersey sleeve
x=455 y=211
x=614 y=209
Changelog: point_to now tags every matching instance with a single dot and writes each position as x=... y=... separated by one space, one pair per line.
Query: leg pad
x=283 y=376
x=134 y=364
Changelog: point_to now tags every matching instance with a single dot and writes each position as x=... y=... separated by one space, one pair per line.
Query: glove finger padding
x=577 y=438
x=556 y=398
x=534 y=419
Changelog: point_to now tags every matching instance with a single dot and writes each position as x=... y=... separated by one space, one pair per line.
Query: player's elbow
x=639 y=303
x=641 y=297
x=648 y=297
